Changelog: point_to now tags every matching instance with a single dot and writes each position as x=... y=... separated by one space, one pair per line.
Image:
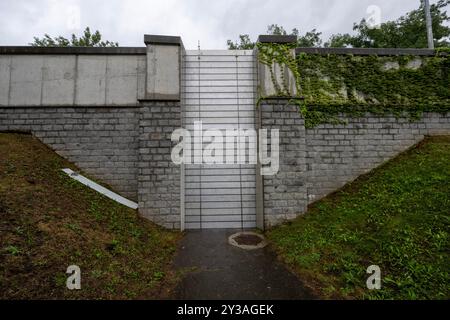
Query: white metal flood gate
x=219 y=90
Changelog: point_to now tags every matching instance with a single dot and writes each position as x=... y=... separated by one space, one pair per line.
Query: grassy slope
x=396 y=217
x=49 y=221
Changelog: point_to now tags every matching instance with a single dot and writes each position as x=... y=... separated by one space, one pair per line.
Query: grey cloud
x=210 y=21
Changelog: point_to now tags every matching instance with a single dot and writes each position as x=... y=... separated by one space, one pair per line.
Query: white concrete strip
x=91 y=184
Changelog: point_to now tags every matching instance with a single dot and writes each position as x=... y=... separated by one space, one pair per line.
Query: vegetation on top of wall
x=87 y=39
x=352 y=85
x=390 y=82
x=281 y=54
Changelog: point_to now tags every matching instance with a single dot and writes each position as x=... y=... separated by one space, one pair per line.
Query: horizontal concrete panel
x=205 y=83
x=210 y=171
x=219 y=64
x=29 y=50
x=218 y=166
x=194 y=58
x=197 y=192
x=207 y=126
x=220 y=114
x=229 y=141
x=5 y=73
x=220 y=177
x=219 y=225
x=227 y=211
x=218 y=89
x=193 y=78
x=71 y=80
x=26 y=80
x=219 y=52
x=234 y=150
x=220 y=71
x=59 y=73
x=223 y=101
x=219 y=205
x=191 y=107
x=122 y=80
x=217 y=77
x=219 y=120
x=209 y=185
x=91 y=80
x=219 y=198
x=221 y=160
x=217 y=218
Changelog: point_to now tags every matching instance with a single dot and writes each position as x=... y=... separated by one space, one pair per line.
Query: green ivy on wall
x=331 y=85
x=282 y=54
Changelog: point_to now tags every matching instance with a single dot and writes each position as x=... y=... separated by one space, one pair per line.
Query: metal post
x=429 y=25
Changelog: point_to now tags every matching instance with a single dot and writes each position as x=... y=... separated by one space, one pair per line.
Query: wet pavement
x=216 y=270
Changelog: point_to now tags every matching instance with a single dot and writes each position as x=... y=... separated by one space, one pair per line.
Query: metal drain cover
x=247 y=240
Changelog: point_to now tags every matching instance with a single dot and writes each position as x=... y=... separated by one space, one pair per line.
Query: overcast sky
x=211 y=22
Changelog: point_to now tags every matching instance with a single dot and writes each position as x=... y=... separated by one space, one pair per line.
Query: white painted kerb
x=91 y=184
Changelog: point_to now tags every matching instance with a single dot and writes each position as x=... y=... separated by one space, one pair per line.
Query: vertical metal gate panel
x=219 y=90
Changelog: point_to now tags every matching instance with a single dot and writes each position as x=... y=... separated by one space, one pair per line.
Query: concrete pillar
x=267 y=78
x=164 y=65
x=160 y=181
x=267 y=89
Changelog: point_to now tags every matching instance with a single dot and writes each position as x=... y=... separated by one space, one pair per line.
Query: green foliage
x=331 y=85
x=281 y=54
x=158 y=275
x=88 y=39
x=309 y=39
x=56 y=221
x=352 y=85
x=408 y=31
x=13 y=250
x=245 y=43
x=396 y=217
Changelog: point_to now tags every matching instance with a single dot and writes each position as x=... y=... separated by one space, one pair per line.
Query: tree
x=244 y=43
x=309 y=39
x=88 y=39
x=409 y=31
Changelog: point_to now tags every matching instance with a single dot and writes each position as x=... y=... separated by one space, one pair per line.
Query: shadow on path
x=222 y=271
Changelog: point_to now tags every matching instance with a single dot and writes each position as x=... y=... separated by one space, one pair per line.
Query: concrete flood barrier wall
x=82 y=102
x=112 y=112
x=314 y=162
x=220 y=91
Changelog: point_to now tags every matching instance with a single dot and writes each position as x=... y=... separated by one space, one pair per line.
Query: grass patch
x=49 y=221
x=396 y=217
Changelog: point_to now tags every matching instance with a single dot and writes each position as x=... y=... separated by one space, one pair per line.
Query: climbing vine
x=282 y=55
x=329 y=86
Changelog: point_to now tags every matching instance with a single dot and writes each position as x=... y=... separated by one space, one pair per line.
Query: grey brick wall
x=315 y=162
x=285 y=194
x=337 y=154
x=101 y=141
x=159 y=178
x=129 y=148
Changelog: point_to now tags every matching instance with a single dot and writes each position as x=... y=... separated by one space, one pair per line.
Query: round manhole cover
x=247 y=240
